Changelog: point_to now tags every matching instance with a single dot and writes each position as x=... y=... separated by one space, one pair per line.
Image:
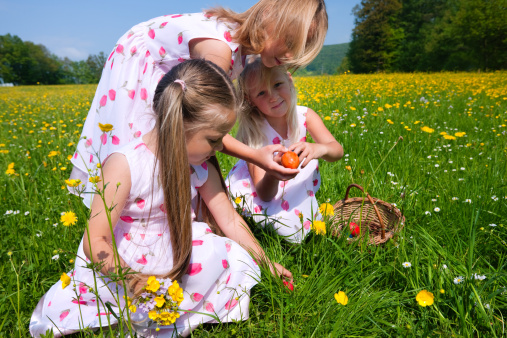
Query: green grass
x=421 y=173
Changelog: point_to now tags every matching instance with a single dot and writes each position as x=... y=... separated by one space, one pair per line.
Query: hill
x=328 y=60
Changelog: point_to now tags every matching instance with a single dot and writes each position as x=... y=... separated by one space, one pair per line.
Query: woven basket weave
x=376 y=218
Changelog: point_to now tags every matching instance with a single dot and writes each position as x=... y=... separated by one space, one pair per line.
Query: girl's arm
x=231 y=223
x=116 y=170
x=325 y=146
x=265 y=184
x=262 y=157
x=212 y=50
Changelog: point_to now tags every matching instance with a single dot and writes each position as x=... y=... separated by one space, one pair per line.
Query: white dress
x=218 y=280
x=125 y=92
x=294 y=207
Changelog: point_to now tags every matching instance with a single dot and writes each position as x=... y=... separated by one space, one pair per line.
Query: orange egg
x=290 y=160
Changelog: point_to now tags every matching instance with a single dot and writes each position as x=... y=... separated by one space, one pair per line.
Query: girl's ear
x=289 y=75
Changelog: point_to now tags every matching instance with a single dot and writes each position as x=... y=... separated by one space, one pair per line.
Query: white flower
x=63 y=213
x=395 y=205
x=15 y=212
x=46 y=219
x=462 y=168
x=436 y=166
x=479 y=277
x=461 y=179
x=26 y=213
x=458 y=280
x=437 y=209
x=494 y=198
x=487 y=306
x=450 y=161
x=407 y=264
x=55 y=225
x=427 y=213
x=8 y=212
x=433 y=199
x=492 y=225
x=455 y=198
x=55 y=257
x=468 y=200
x=444 y=266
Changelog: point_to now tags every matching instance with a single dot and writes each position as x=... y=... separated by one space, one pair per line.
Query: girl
x=289 y=32
x=270 y=116
x=154 y=226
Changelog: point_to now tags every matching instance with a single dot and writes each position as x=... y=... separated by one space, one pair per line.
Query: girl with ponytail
x=152 y=184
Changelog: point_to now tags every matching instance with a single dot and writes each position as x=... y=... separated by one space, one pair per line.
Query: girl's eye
x=260 y=93
x=278 y=84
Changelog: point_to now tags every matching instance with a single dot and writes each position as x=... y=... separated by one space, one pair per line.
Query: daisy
x=407 y=264
x=468 y=200
x=492 y=225
x=436 y=209
x=427 y=213
x=8 y=212
x=26 y=213
x=455 y=198
x=458 y=280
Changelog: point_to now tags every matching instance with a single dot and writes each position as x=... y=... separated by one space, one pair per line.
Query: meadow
x=448 y=175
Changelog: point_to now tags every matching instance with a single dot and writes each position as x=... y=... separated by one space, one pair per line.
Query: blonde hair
x=181 y=111
x=302 y=24
x=250 y=118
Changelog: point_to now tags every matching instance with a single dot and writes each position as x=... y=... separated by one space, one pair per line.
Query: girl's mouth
x=278 y=105
x=278 y=62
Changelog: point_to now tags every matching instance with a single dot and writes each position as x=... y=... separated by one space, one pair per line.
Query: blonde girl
x=270 y=115
x=281 y=31
x=153 y=182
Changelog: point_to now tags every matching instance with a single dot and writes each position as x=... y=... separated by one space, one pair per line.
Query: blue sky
x=77 y=28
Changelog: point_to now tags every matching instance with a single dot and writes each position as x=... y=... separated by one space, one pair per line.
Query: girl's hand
x=307 y=151
x=270 y=162
x=279 y=271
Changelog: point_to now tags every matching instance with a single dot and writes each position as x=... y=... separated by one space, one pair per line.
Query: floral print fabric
x=124 y=94
x=217 y=282
x=294 y=208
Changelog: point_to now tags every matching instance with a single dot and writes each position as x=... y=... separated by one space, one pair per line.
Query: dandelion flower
x=427 y=129
x=407 y=264
x=65 y=280
x=319 y=227
x=458 y=280
x=442 y=291
x=425 y=298
x=349 y=168
x=326 y=209
x=68 y=218
x=341 y=298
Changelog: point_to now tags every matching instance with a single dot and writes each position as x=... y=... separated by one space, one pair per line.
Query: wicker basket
x=379 y=219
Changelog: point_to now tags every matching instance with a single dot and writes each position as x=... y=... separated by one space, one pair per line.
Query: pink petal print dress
x=218 y=280
x=294 y=207
x=124 y=94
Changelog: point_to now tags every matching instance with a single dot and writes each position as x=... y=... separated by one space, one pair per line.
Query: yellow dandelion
x=449 y=137
x=427 y=129
x=425 y=298
x=68 y=218
x=326 y=209
x=349 y=168
x=389 y=121
x=341 y=298
x=460 y=134
x=319 y=227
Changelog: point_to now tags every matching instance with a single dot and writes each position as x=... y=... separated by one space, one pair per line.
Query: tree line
x=428 y=35
x=26 y=63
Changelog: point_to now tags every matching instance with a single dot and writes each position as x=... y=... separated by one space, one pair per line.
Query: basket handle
x=371 y=201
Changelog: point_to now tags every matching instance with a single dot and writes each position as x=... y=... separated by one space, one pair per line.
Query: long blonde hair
x=302 y=24
x=250 y=118
x=181 y=111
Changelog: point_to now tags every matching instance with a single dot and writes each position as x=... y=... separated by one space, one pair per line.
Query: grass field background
x=448 y=176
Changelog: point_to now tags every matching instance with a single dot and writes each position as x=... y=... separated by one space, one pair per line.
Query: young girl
x=151 y=182
x=289 y=32
x=270 y=116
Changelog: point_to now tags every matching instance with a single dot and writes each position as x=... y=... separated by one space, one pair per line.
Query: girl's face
x=272 y=99
x=275 y=51
x=205 y=142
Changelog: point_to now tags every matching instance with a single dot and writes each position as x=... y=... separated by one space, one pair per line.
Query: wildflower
x=492 y=225
x=462 y=168
x=436 y=209
x=73 y=183
x=326 y=209
x=427 y=213
x=468 y=200
x=479 y=277
x=133 y=308
x=494 y=198
x=349 y=168
x=442 y=291
x=9 y=253
x=407 y=264
x=94 y=179
x=176 y=292
x=53 y=153
x=424 y=298
x=449 y=137
x=444 y=266
x=455 y=198
x=68 y=218
x=238 y=200
x=487 y=306
x=8 y=212
x=460 y=134
x=427 y=129
x=105 y=127
x=341 y=298
x=55 y=257
x=319 y=227
x=458 y=280
x=152 y=284
x=65 y=280
x=160 y=300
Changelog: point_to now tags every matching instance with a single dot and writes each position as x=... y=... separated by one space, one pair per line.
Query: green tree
x=376 y=36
